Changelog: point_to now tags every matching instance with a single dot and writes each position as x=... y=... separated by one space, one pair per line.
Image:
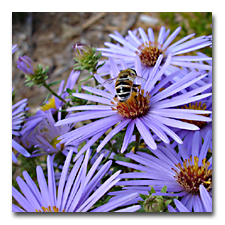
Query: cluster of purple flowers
x=160 y=136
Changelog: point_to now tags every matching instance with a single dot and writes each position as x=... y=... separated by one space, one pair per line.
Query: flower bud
x=26 y=64
x=154 y=204
x=33 y=72
x=86 y=58
x=81 y=49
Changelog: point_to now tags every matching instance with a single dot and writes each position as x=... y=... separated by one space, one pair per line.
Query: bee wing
x=109 y=81
x=140 y=80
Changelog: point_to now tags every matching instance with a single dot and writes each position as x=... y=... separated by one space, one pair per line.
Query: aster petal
x=117 y=49
x=179 y=42
x=171 y=133
x=205 y=146
x=151 y=35
x=89 y=107
x=51 y=181
x=95 y=180
x=136 y=41
x=180 y=206
x=124 y=42
x=89 y=144
x=98 y=92
x=116 y=130
x=194 y=65
x=128 y=135
x=86 y=116
x=20 y=149
x=175 y=123
x=156 y=129
x=161 y=36
x=145 y=133
x=63 y=179
x=92 y=98
x=206 y=199
x=16 y=209
x=109 y=87
x=197 y=204
x=28 y=194
x=143 y=35
x=70 y=182
x=99 y=192
x=133 y=208
x=171 y=38
x=116 y=203
x=33 y=187
x=43 y=186
x=22 y=200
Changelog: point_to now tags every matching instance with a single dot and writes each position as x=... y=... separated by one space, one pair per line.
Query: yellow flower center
x=49 y=209
x=190 y=176
x=54 y=142
x=196 y=106
x=149 y=53
x=49 y=105
x=136 y=106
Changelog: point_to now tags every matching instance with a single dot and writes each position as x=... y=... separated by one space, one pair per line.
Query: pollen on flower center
x=149 y=53
x=190 y=176
x=196 y=106
x=49 y=209
x=136 y=106
x=49 y=105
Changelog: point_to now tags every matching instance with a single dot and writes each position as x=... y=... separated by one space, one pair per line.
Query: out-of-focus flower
x=14 y=48
x=75 y=192
x=149 y=50
x=53 y=104
x=18 y=115
x=150 y=110
x=182 y=173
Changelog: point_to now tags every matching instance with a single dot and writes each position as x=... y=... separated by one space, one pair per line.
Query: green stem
x=138 y=136
x=51 y=91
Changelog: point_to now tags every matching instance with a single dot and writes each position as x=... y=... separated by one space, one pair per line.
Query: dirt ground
x=47 y=39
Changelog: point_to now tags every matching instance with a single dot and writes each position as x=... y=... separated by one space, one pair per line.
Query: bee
x=124 y=84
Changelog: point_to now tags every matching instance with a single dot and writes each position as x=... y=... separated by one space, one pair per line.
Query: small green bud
x=154 y=204
x=86 y=58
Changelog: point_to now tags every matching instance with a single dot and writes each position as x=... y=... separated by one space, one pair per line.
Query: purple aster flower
x=14 y=48
x=53 y=104
x=74 y=192
x=182 y=173
x=152 y=110
x=149 y=50
x=18 y=115
x=44 y=137
x=206 y=200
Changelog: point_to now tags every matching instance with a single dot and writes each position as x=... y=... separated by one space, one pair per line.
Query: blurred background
x=47 y=39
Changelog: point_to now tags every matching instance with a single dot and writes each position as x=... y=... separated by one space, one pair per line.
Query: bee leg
x=115 y=96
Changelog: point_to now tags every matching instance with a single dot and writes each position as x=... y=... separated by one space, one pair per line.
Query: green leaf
x=121 y=158
x=167 y=202
x=142 y=196
x=54 y=83
x=164 y=189
x=46 y=99
x=153 y=190
x=87 y=78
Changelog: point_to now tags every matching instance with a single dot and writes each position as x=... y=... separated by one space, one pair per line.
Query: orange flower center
x=49 y=209
x=190 y=176
x=136 y=106
x=196 y=106
x=149 y=53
